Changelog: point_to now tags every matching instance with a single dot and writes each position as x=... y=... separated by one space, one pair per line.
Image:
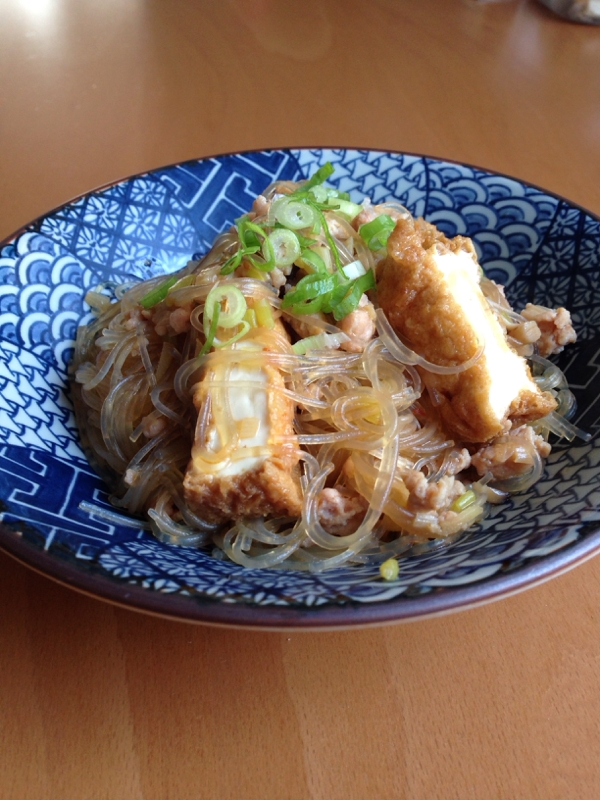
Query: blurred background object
x=587 y=11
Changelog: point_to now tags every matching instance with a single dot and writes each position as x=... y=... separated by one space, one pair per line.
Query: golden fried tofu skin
x=428 y=287
x=239 y=466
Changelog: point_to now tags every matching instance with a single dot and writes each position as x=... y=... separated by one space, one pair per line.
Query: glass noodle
x=135 y=386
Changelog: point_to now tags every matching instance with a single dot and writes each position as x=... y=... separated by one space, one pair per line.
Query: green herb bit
x=389 y=570
x=250 y=234
x=159 y=292
x=305 y=241
x=308 y=288
x=250 y=237
x=345 y=208
x=232 y=263
x=351 y=299
x=320 y=176
x=264 y=314
x=376 y=233
x=212 y=331
x=245 y=327
x=286 y=247
x=309 y=260
x=324 y=292
x=328 y=236
x=464 y=501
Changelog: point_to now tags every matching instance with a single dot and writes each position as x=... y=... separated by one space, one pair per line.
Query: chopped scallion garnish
x=376 y=233
x=464 y=501
x=351 y=300
x=264 y=314
x=318 y=284
x=328 y=293
x=311 y=261
x=389 y=570
x=250 y=238
x=334 y=251
x=232 y=306
x=286 y=247
x=210 y=336
x=354 y=269
x=320 y=176
x=293 y=214
x=345 y=208
x=242 y=332
x=159 y=292
x=321 y=341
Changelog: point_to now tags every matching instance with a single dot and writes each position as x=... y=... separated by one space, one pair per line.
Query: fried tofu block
x=240 y=469
x=428 y=286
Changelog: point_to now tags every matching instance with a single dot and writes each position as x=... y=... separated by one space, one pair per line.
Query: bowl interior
x=545 y=249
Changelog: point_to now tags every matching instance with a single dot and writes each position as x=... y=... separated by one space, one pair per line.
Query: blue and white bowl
x=545 y=249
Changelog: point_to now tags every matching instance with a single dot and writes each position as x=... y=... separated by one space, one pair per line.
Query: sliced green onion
x=311 y=261
x=328 y=293
x=305 y=241
x=339 y=195
x=159 y=292
x=352 y=298
x=332 y=245
x=354 y=270
x=232 y=263
x=389 y=570
x=257 y=274
x=187 y=280
x=464 y=501
x=309 y=288
x=320 y=341
x=323 y=194
x=268 y=261
x=250 y=317
x=320 y=176
x=264 y=314
x=307 y=306
x=293 y=214
x=251 y=236
x=320 y=193
x=286 y=247
x=345 y=208
x=210 y=336
x=242 y=332
x=233 y=312
x=376 y=233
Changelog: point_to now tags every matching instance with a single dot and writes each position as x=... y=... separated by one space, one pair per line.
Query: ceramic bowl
x=542 y=247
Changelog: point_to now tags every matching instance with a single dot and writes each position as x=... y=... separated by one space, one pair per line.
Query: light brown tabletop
x=502 y=701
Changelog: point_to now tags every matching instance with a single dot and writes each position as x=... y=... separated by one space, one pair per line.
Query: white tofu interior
x=245 y=402
x=507 y=371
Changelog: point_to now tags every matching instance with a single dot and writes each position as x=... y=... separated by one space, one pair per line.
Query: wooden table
x=99 y=702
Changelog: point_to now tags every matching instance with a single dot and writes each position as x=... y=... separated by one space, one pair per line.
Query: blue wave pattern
x=42 y=287
x=506 y=219
x=543 y=248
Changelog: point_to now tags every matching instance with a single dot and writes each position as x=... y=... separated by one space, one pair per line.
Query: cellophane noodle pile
x=133 y=395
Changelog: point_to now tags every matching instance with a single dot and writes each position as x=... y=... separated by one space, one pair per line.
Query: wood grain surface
x=98 y=702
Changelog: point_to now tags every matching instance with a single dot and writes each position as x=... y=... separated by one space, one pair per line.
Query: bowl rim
x=328 y=615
